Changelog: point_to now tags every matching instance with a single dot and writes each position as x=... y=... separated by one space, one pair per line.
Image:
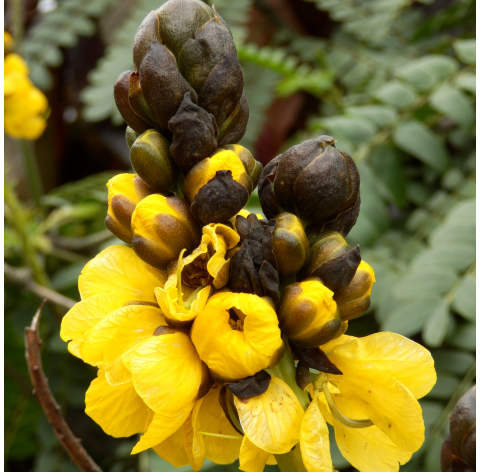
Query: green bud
x=291 y=246
x=332 y=260
x=151 y=160
x=314 y=181
x=130 y=136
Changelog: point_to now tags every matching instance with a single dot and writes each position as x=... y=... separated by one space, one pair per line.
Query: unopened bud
x=355 y=299
x=252 y=167
x=124 y=192
x=316 y=182
x=308 y=315
x=130 y=136
x=332 y=260
x=151 y=159
x=162 y=227
x=291 y=246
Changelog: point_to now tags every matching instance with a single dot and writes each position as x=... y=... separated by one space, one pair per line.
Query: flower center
x=180 y=296
x=236 y=319
x=196 y=273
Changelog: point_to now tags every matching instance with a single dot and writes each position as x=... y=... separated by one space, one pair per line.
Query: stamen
x=180 y=299
x=338 y=414
x=223 y=436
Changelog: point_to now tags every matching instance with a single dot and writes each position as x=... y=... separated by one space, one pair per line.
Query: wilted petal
x=314 y=441
x=167 y=372
x=118 y=269
x=390 y=355
x=118 y=410
x=252 y=458
x=212 y=419
x=272 y=421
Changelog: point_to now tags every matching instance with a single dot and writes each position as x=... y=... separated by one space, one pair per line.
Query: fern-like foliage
x=57 y=29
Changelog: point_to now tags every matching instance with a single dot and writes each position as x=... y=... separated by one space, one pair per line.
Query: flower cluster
x=25 y=106
x=218 y=333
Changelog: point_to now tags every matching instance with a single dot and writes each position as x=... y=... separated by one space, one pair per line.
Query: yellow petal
x=172 y=449
x=212 y=419
x=388 y=404
x=119 y=410
x=271 y=460
x=86 y=314
x=367 y=449
x=390 y=355
x=194 y=442
x=252 y=458
x=122 y=184
x=167 y=372
x=96 y=340
x=117 y=269
x=272 y=421
x=161 y=427
x=344 y=338
x=314 y=441
x=120 y=349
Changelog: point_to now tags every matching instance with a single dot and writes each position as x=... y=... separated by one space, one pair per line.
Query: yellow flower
x=125 y=191
x=308 y=314
x=162 y=227
x=237 y=335
x=373 y=405
x=24 y=105
x=194 y=274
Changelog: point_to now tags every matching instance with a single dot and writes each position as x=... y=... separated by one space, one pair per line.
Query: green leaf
x=422 y=282
x=454 y=104
x=464 y=337
x=445 y=386
x=464 y=213
x=436 y=325
x=355 y=129
x=466 y=50
x=397 y=94
x=408 y=318
x=380 y=115
x=450 y=234
x=464 y=302
x=431 y=412
x=456 y=362
x=454 y=256
x=417 y=139
x=467 y=82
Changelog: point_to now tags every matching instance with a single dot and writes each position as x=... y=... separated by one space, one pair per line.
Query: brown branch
x=70 y=443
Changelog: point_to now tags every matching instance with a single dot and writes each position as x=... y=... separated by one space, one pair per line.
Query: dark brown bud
x=162 y=83
x=121 y=95
x=234 y=127
x=314 y=181
x=137 y=100
x=151 y=159
x=291 y=246
x=332 y=260
x=147 y=33
x=194 y=135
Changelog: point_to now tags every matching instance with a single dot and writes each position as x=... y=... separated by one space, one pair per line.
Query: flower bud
x=125 y=191
x=252 y=167
x=291 y=246
x=151 y=159
x=162 y=227
x=308 y=315
x=462 y=427
x=217 y=188
x=332 y=260
x=314 y=181
x=234 y=127
x=355 y=299
x=130 y=136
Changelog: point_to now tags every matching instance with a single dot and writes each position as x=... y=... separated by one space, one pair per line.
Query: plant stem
x=286 y=371
x=17 y=12
x=33 y=172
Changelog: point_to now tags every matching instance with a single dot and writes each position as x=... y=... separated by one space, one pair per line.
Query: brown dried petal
x=315 y=358
x=252 y=386
x=337 y=273
x=121 y=96
x=269 y=278
x=227 y=405
x=223 y=89
x=194 y=134
x=234 y=127
x=244 y=276
x=303 y=375
x=162 y=83
x=219 y=199
x=137 y=100
x=267 y=196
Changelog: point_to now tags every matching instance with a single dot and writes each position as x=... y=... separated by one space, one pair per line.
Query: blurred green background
x=392 y=80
